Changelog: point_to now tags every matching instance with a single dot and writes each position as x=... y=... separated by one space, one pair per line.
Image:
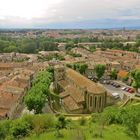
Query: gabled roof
x=75 y=94
x=84 y=83
x=71 y=104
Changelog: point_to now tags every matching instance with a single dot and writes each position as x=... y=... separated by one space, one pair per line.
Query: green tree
x=3 y=44
x=19 y=128
x=125 y=79
x=43 y=77
x=69 y=65
x=92 y=48
x=44 y=88
x=35 y=100
x=99 y=70
x=11 y=48
x=113 y=74
x=69 y=46
x=4 y=129
x=81 y=67
x=48 y=46
x=111 y=115
x=60 y=124
x=37 y=95
x=28 y=46
x=131 y=119
x=135 y=74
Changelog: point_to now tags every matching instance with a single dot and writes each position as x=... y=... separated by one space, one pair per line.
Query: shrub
x=19 y=128
x=95 y=117
x=41 y=123
x=82 y=121
x=131 y=119
x=4 y=129
x=110 y=115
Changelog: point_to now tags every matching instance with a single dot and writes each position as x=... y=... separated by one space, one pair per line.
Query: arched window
x=90 y=101
x=95 y=101
x=100 y=99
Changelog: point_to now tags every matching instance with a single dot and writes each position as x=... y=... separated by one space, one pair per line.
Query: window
x=100 y=101
x=95 y=101
x=90 y=101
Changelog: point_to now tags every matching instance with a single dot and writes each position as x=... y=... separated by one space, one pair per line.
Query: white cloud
x=26 y=8
x=96 y=9
x=32 y=12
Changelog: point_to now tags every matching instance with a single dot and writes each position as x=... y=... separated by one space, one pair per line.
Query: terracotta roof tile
x=75 y=94
x=64 y=94
x=15 y=83
x=83 y=82
x=3 y=112
x=122 y=73
x=7 y=100
x=71 y=104
x=63 y=83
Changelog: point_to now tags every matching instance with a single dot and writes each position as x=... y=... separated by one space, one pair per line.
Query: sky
x=69 y=13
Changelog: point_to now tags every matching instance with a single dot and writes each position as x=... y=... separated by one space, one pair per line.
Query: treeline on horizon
x=34 y=45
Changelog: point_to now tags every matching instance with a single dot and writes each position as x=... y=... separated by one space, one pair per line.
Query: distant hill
x=95 y=24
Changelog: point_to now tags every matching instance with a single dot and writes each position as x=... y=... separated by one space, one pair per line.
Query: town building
x=12 y=90
x=79 y=94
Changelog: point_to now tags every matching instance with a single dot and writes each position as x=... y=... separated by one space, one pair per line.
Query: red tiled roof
x=3 y=112
x=5 y=65
x=15 y=83
x=7 y=100
x=122 y=73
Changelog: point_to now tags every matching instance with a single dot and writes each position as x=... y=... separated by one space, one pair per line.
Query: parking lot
x=117 y=89
x=112 y=89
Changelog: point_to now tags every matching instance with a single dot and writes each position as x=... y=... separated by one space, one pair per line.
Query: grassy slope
x=113 y=132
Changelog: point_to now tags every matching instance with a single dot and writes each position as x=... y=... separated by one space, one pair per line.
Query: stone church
x=79 y=94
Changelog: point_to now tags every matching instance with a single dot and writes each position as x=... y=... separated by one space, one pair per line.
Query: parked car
x=107 y=82
x=94 y=79
x=89 y=77
x=123 y=88
x=116 y=95
x=126 y=89
x=117 y=86
x=131 y=90
x=111 y=83
x=104 y=82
